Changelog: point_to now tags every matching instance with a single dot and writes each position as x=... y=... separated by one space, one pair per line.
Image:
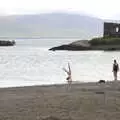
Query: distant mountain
x=51 y=25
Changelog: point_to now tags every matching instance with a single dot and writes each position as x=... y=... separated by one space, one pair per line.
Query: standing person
x=69 y=78
x=115 y=69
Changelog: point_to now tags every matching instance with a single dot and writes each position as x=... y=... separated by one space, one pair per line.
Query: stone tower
x=111 y=29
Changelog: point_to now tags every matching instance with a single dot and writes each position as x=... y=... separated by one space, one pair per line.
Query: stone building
x=111 y=29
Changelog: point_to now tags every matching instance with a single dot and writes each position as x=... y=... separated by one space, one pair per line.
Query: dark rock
x=111 y=49
x=100 y=92
x=7 y=43
x=69 y=47
x=78 y=45
x=101 y=81
x=86 y=45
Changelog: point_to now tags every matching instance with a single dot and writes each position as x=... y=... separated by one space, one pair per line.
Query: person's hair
x=115 y=61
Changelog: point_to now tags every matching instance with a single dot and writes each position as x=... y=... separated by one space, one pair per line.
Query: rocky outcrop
x=86 y=45
x=7 y=43
x=74 y=46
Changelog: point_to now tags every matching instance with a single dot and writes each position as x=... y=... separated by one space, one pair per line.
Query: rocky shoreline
x=82 y=45
x=77 y=45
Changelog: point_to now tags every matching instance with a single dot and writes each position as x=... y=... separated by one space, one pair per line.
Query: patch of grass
x=105 y=41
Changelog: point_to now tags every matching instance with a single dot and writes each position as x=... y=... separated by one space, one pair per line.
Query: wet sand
x=85 y=101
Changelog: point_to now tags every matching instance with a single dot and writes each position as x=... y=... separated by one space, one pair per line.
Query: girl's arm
x=65 y=70
x=118 y=67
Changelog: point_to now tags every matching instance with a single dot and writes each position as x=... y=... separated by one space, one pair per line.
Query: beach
x=84 y=101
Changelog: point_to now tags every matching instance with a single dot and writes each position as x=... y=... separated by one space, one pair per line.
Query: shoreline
x=82 y=102
x=50 y=85
x=58 y=84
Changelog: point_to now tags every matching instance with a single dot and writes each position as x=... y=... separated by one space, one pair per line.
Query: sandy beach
x=85 y=101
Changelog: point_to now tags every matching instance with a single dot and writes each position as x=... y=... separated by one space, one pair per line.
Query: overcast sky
x=106 y=9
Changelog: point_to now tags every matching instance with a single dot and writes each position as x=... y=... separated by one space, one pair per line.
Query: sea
x=30 y=63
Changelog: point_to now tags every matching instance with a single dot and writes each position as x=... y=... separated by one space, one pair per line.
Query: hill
x=51 y=25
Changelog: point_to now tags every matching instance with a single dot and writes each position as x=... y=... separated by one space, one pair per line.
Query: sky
x=105 y=9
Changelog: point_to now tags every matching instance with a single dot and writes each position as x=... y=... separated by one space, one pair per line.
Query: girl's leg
x=70 y=83
x=115 y=75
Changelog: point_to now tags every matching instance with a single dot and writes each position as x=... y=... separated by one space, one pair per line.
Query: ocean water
x=30 y=63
